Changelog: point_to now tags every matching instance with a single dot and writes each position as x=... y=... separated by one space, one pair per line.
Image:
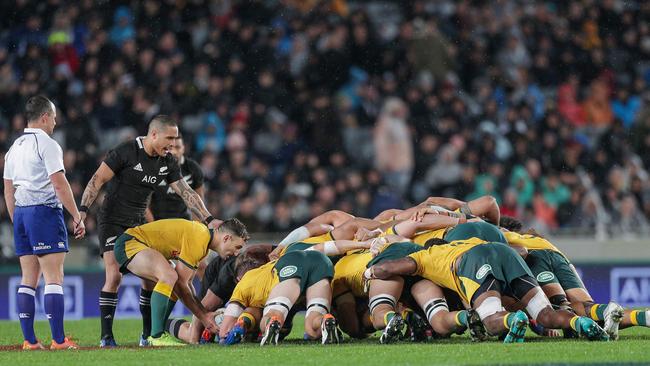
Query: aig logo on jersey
x=630 y=287
x=151 y=179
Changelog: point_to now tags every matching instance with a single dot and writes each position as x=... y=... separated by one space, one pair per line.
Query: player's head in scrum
x=163 y=132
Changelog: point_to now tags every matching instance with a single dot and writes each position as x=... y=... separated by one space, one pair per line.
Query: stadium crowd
x=293 y=108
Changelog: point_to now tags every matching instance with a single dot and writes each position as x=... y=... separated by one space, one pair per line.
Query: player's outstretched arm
x=185 y=291
x=396 y=267
x=194 y=202
x=338 y=247
x=101 y=176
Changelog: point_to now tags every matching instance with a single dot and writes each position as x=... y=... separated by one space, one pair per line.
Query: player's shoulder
x=128 y=147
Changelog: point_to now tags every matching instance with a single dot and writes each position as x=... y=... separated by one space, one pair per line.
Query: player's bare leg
x=384 y=295
x=432 y=300
x=278 y=304
x=149 y=264
x=319 y=323
x=613 y=315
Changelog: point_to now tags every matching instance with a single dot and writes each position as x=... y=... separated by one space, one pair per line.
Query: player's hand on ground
x=79 y=229
x=275 y=254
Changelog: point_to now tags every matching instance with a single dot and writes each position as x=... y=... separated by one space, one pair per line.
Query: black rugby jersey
x=136 y=176
x=166 y=204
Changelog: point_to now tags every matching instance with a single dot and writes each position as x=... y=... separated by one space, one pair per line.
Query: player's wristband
x=83 y=208
x=208 y=220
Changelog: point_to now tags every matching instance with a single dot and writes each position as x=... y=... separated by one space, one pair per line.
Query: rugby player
x=134 y=169
x=564 y=288
x=481 y=273
x=165 y=203
x=276 y=286
x=146 y=250
x=219 y=281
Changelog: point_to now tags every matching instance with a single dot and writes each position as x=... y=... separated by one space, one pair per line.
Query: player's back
x=348 y=272
x=170 y=237
x=530 y=242
x=255 y=286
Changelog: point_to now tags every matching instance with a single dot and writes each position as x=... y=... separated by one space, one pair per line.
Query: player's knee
x=168 y=276
x=379 y=305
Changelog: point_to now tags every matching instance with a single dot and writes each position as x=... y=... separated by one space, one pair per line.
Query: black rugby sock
x=107 y=306
x=145 y=310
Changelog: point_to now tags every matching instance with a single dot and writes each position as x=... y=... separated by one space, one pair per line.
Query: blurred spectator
x=294 y=108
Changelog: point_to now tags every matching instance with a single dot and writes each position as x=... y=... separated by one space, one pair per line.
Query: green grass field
x=631 y=348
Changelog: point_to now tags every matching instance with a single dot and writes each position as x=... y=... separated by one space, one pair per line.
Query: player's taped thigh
x=280 y=304
x=233 y=309
x=381 y=299
x=434 y=306
x=318 y=305
x=489 y=306
x=538 y=303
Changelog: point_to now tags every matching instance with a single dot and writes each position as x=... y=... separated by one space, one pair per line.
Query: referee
x=135 y=168
x=35 y=189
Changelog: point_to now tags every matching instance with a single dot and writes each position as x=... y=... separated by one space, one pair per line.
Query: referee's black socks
x=107 y=306
x=145 y=310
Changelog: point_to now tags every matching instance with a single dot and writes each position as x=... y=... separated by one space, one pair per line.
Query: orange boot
x=67 y=344
x=32 y=347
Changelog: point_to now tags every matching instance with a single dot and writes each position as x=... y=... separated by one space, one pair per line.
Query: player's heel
x=591 y=330
x=272 y=332
x=331 y=334
x=518 y=328
x=613 y=315
x=393 y=330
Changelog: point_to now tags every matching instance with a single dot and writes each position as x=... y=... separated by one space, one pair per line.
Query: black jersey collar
x=139 y=141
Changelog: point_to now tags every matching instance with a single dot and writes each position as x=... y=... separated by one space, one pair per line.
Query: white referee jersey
x=30 y=161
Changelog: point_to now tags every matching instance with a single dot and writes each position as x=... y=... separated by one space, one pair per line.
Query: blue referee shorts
x=39 y=230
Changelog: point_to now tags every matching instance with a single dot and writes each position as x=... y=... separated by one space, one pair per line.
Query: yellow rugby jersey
x=319 y=239
x=180 y=239
x=437 y=264
x=348 y=273
x=530 y=242
x=312 y=240
x=256 y=285
x=421 y=238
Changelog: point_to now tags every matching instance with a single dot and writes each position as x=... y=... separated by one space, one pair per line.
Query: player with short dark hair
x=165 y=203
x=35 y=191
x=133 y=170
x=146 y=250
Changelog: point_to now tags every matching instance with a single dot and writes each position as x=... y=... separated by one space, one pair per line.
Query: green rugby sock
x=159 y=301
x=388 y=316
x=509 y=320
x=170 y=308
x=461 y=318
x=597 y=311
x=639 y=317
